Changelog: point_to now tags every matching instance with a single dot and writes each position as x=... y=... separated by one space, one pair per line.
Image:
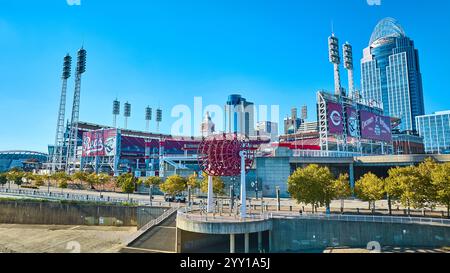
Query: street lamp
x=255 y=186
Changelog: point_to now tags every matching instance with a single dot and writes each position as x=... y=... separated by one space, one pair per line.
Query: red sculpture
x=219 y=155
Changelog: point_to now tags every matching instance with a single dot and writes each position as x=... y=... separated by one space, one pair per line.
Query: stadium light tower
x=116 y=112
x=59 y=139
x=158 y=119
x=148 y=118
x=73 y=136
x=348 y=64
x=127 y=113
x=333 y=48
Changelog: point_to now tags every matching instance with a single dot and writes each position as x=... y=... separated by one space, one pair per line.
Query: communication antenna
x=348 y=64
x=158 y=118
x=73 y=136
x=333 y=48
x=116 y=112
x=59 y=139
x=127 y=113
x=148 y=118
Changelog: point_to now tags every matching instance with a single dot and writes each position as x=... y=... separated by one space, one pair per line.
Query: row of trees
x=127 y=182
x=317 y=186
x=423 y=186
x=62 y=179
x=176 y=184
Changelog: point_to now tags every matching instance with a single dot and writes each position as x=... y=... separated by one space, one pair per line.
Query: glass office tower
x=390 y=73
x=239 y=116
x=435 y=130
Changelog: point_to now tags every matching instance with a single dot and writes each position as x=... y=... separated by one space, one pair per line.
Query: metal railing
x=67 y=196
x=224 y=218
x=308 y=153
x=151 y=224
x=363 y=218
x=195 y=216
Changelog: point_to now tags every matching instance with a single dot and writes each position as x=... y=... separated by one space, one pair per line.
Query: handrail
x=66 y=196
x=373 y=219
x=331 y=217
x=210 y=217
x=151 y=224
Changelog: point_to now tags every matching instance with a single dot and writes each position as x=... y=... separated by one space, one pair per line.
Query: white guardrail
x=67 y=196
x=332 y=217
x=222 y=218
x=367 y=218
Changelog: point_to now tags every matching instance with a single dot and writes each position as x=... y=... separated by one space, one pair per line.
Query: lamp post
x=150 y=192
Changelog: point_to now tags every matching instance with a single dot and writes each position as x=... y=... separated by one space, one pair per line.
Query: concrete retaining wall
x=54 y=213
x=293 y=235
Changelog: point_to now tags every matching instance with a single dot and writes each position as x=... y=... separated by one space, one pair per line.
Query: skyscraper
x=239 y=116
x=390 y=73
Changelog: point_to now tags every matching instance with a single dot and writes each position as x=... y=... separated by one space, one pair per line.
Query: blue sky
x=163 y=53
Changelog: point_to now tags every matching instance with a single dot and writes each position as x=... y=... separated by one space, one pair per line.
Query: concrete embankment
x=294 y=235
x=57 y=213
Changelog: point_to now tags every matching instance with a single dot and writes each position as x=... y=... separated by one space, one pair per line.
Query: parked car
x=177 y=198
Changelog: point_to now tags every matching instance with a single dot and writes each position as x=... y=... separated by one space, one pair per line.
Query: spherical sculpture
x=219 y=155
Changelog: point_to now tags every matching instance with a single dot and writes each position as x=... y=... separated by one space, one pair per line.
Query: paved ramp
x=158 y=239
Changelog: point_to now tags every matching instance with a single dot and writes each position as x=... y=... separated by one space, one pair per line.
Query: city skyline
x=213 y=67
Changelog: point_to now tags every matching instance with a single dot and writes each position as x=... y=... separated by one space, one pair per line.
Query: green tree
x=370 y=188
x=312 y=185
x=92 y=180
x=62 y=179
x=80 y=177
x=193 y=181
x=174 y=185
x=127 y=182
x=39 y=180
x=16 y=176
x=3 y=179
x=103 y=179
x=342 y=189
x=152 y=181
x=441 y=182
x=218 y=185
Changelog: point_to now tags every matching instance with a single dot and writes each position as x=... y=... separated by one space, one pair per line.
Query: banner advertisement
x=100 y=143
x=375 y=127
x=352 y=122
x=335 y=118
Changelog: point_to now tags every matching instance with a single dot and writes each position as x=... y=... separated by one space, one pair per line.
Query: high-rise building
x=267 y=129
x=239 y=116
x=435 y=130
x=390 y=73
x=292 y=123
x=207 y=126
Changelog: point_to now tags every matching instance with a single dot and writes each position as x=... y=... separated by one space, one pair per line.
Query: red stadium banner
x=335 y=118
x=100 y=143
x=375 y=127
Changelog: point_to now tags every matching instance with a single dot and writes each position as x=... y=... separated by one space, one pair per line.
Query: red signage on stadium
x=100 y=143
x=335 y=118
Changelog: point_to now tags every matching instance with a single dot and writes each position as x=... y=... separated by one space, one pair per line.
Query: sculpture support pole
x=243 y=189
x=210 y=195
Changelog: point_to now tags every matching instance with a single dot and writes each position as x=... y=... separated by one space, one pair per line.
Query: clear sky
x=165 y=52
